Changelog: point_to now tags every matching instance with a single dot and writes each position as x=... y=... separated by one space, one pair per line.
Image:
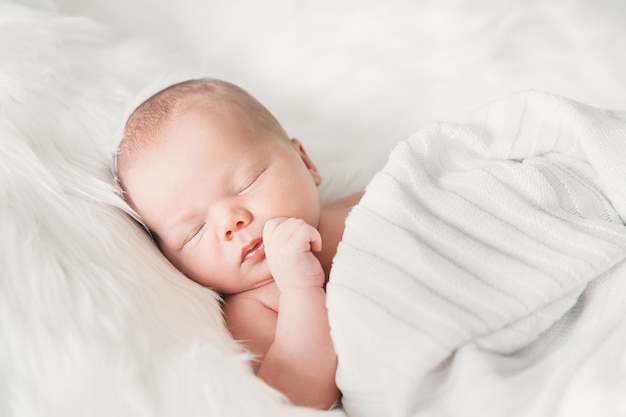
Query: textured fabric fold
x=479 y=242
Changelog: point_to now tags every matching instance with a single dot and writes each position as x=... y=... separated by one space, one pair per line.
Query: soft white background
x=352 y=77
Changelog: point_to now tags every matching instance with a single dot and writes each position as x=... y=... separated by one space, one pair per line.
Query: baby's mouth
x=253 y=252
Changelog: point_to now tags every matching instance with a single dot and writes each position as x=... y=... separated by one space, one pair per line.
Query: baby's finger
x=305 y=233
x=270 y=226
x=315 y=239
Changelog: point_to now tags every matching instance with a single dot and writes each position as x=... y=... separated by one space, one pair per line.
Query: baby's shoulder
x=251 y=318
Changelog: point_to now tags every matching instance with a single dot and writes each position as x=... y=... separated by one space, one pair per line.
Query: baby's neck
x=332 y=223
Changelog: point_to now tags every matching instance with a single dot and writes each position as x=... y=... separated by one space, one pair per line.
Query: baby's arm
x=301 y=362
x=299 y=357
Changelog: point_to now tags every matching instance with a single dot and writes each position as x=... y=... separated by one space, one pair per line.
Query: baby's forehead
x=215 y=112
x=145 y=125
x=168 y=111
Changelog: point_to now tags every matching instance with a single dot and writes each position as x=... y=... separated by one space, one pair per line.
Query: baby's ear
x=307 y=161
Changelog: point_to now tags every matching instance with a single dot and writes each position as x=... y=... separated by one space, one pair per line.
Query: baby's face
x=207 y=189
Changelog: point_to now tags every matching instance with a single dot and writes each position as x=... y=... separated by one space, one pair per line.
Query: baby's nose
x=228 y=235
x=234 y=221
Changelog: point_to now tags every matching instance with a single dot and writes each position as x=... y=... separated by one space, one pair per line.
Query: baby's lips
x=252 y=251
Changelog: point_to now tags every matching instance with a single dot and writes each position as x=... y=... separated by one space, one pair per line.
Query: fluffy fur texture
x=93 y=321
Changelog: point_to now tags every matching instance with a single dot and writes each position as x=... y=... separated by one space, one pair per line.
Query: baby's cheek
x=193 y=266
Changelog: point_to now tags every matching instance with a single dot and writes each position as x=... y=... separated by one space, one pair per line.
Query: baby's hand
x=288 y=244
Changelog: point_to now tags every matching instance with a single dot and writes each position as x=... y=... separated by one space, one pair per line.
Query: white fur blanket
x=484 y=271
x=93 y=320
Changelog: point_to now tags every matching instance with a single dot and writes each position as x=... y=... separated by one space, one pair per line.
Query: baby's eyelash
x=250 y=182
x=245 y=187
x=193 y=233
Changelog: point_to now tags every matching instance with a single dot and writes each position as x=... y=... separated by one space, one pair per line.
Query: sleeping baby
x=485 y=262
x=232 y=202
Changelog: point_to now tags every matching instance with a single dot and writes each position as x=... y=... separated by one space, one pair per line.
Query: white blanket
x=483 y=272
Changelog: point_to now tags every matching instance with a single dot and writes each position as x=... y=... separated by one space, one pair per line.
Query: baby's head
x=205 y=165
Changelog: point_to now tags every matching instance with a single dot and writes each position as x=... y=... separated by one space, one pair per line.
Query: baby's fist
x=288 y=244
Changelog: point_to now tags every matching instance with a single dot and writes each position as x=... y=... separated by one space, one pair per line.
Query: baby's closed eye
x=195 y=232
x=248 y=183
